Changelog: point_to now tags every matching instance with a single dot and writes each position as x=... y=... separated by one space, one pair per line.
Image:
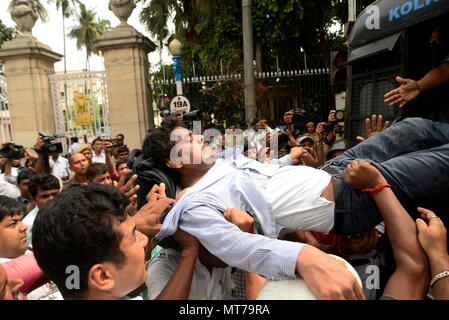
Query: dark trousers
x=413 y=156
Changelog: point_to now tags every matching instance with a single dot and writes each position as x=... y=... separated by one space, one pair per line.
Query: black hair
x=123 y=149
x=44 y=182
x=94 y=169
x=79 y=228
x=120 y=134
x=25 y=174
x=157 y=144
x=9 y=207
x=118 y=163
x=74 y=139
x=95 y=140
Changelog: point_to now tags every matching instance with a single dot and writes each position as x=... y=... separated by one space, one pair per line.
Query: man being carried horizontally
x=284 y=198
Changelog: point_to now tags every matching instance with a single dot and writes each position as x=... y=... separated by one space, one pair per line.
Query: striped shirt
x=240 y=183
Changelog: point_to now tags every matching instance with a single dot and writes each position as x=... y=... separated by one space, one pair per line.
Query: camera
x=52 y=149
x=114 y=142
x=299 y=118
x=339 y=115
x=328 y=127
x=11 y=150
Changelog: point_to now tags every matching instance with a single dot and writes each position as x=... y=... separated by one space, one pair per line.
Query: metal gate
x=80 y=105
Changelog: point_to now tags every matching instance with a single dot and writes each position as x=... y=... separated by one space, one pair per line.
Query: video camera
x=299 y=117
x=10 y=150
x=52 y=149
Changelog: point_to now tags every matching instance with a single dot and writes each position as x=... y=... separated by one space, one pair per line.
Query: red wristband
x=189 y=253
x=376 y=189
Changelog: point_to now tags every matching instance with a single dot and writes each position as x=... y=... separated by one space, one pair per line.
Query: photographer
x=166 y=102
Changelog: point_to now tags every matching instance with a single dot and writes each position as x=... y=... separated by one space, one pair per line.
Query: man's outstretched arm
x=274 y=259
x=411 y=277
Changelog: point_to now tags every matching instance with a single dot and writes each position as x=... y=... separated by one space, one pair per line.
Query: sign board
x=179 y=104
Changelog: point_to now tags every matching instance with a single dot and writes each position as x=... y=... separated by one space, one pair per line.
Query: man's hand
x=127 y=188
x=431 y=235
x=362 y=244
x=241 y=219
x=186 y=240
x=361 y=175
x=38 y=145
x=327 y=277
x=288 y=117
x=297 y=154
x=147 y=218
x=373 y=126
x=408 y=91
x=107 y=147
x=331 y=117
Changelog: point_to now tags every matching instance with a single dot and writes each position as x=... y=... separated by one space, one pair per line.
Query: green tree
x=40 y=8
x=89 y=29
x=6 y=34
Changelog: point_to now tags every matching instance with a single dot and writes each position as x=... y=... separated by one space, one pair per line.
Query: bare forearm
x=178 y=287
x=435 y=78
x=109 y=163
x=439 y=264
x=39 y=167
x=253 y=284
x=401 y=229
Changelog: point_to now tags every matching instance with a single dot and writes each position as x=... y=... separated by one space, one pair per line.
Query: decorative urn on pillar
x=122 y=9
x=24 y=14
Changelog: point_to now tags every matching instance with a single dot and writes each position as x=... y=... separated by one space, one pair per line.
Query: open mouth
x=24 y=239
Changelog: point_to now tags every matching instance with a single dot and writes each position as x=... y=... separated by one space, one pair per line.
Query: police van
x=392 y=38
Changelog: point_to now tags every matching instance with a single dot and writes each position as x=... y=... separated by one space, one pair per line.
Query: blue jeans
x=412 y=155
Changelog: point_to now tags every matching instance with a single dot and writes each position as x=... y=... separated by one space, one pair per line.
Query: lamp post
x=175 y=47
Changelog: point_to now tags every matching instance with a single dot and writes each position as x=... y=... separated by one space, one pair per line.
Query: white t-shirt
x=74 y=147
x=217 y=285
x=8 y=189
x=100 y=159
x=299 y=206
x=60 y=168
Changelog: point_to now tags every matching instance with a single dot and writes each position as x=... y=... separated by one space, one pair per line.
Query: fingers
x=162 y=190
x=373 y=122
x=379 y=124
x=361 y=139
x=368 y=127
x=130 y=182
x=130 y=194
x=401 y=80
x=429 y=215
x=227 y=214
x=150 y=194
x=387 y=125
x=421 y=225
x=121 y=181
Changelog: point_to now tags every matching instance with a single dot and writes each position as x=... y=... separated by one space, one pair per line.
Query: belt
x=336 y=183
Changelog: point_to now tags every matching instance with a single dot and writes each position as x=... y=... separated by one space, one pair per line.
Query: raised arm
x=411 y=277
x=274 y=259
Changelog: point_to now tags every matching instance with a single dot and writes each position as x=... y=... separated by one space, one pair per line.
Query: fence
x=277 y=92
x=80 y=105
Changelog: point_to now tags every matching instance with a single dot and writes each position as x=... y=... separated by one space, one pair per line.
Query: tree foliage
x=89 y=29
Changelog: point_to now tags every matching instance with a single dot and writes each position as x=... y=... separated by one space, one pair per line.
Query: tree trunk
x=322 y=34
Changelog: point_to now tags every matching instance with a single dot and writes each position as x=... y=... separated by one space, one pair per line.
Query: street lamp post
x=175 y=47
x=305 y=58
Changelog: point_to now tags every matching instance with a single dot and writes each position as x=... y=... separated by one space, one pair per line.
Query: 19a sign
x=179 y=104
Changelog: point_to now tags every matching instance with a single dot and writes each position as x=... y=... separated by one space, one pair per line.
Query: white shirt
x=60 y=168
x=74 y=147
x=217 y=285
x=29 y=221
x=101 y=158
x=8 y=189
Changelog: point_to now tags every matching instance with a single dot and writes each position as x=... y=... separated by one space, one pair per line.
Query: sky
x=51 y=34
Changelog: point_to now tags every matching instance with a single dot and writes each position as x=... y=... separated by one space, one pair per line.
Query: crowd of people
x=272 y=204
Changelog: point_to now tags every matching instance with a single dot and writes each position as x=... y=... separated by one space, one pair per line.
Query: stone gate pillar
x=28 y=63
x=125 y=52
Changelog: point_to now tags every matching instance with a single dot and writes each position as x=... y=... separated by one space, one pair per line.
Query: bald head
x=78 y=163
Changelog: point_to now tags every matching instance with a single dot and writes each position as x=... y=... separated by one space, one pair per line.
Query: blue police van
x=392 y=38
